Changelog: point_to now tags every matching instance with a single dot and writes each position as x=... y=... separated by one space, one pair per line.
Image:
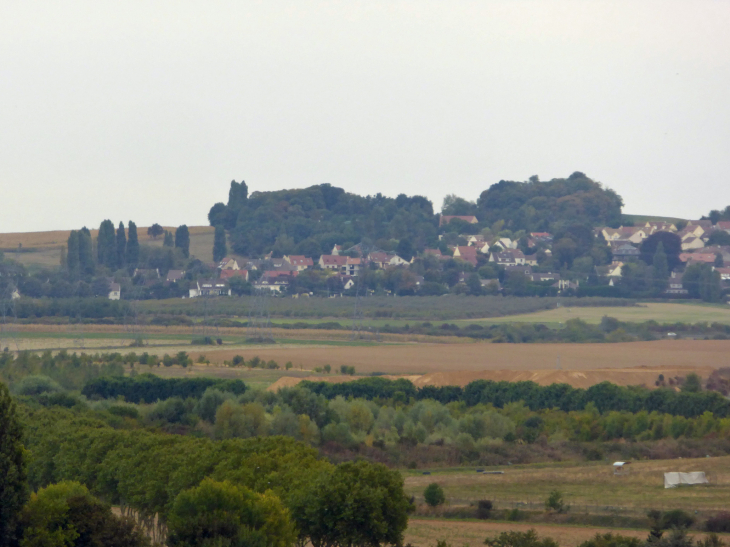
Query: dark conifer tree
x=72 y=255
x=169 y=240
x=121 y=245
x=182 y=240
x=86 y=253
x=220 y=250
x=106 y=247
x=132 y=244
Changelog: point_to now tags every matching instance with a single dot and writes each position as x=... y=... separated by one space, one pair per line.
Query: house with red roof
x=228 y=274
x=300 y=262
x=332 y=262
x=466 y=253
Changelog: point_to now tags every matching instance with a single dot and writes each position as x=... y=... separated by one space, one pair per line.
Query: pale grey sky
x=147 y=110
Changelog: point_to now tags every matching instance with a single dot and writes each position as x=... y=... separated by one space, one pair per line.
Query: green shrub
x=556 y=503
x=515 y=515
x=612 y=540
x=36 y=385
x=434 y=495
x=676 y=518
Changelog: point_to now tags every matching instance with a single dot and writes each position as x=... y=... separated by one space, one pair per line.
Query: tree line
x=605 y=396
x=115 y=248
x=148 y=387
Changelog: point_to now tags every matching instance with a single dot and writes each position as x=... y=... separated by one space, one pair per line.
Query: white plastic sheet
x=674 y=479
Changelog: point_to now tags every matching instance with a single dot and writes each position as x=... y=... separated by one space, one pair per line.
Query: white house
x=210 y=287
x=115 y=291
x=228 y=264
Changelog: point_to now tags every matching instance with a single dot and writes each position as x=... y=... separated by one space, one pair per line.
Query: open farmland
x=425 y=532
x=659 y=312
x=472 y=357
x=43 y=249
x=587 y=487
x=449 y=362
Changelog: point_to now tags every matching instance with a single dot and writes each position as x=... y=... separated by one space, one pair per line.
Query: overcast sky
x=147 y=110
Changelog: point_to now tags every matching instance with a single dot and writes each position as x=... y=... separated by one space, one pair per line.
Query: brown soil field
x=414 y=359
x=458 y=533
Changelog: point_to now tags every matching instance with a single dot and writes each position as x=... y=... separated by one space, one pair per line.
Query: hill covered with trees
x=537 y=206
x=312 y=220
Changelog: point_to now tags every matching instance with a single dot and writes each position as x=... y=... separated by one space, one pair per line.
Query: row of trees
x=115 y=249
x=605 y=396
x=148 y=387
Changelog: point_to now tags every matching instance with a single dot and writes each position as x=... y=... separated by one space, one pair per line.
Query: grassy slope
x=585 y=484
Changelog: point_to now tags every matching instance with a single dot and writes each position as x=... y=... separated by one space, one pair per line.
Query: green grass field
x=659 y=312
x=584 y=485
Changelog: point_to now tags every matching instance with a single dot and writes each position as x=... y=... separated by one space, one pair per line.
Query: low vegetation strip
x=424 y=308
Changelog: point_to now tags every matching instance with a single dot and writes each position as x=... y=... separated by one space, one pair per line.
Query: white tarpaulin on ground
x=672 y=480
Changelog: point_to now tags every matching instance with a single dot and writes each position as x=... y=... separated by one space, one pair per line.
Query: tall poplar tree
x=86 y=253
x=121 y=245
x=182 y=240
x=220 y=250
x=72 y=254
x=132 y=244
x=169 y=240
x=106 y=248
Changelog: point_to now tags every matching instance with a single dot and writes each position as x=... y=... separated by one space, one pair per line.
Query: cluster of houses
x=276 y=274
x=625 y=241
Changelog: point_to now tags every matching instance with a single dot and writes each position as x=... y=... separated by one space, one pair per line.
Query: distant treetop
x=537 y=206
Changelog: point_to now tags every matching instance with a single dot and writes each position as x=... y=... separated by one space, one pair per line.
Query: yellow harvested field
x=660 y=312
x=473 y=357
x=47 y=246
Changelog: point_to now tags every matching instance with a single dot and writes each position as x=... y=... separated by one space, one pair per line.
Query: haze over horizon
x=147 y=111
